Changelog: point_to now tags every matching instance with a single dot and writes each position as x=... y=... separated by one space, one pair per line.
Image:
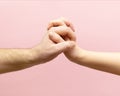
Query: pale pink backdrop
x=97 y=24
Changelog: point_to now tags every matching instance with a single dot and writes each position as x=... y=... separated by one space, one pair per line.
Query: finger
x=55 y=23
x=68 y=23
x=64 y=32
x=64 y=46
x=60 y=22
x=66 y=38
x=55 y=37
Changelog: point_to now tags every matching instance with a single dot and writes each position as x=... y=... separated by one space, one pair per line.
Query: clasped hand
x=60 y=37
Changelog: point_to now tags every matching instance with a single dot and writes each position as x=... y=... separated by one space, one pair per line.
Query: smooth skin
x=18 y=59
x=104 y=61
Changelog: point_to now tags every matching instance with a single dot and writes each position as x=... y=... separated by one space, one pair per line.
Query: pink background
x=97 y=24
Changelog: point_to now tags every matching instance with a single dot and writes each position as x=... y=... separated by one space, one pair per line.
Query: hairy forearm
x=104 y=61
x=15 y=59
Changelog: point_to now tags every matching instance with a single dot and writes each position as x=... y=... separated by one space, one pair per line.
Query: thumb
x=64 y=46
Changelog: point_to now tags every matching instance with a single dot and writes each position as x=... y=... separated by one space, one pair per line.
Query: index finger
x=64 y=32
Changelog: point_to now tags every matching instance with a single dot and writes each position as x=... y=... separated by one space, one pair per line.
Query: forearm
x=104 y=61
x=15 y=59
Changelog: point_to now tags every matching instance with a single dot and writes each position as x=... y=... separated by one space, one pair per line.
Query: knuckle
x=55 y=48
x=68 y=29
x=52 y=29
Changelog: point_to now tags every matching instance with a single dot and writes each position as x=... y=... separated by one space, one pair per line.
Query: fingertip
x=74 y=38
x=71 y=44
x=51 y=35
x=72 y=27
x=69 y=24
x=49 y=26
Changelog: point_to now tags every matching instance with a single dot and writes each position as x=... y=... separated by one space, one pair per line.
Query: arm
x=17 y=59
x=104 y=61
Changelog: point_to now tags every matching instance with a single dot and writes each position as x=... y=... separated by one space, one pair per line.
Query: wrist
x=82 y=53
x=76 y=54
x=35 y=55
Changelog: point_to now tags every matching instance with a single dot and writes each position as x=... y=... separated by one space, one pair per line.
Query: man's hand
x=47 y=49
x=18 y=59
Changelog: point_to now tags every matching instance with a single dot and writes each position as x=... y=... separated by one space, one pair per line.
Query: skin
x=103 y=61
x=18 y=59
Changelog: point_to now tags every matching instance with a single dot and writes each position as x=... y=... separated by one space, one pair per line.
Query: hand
x=17 y=59
x=47 y=49
x=71 y=53
x=104 y=61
